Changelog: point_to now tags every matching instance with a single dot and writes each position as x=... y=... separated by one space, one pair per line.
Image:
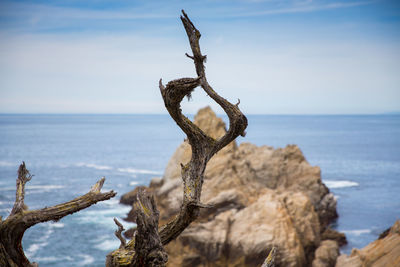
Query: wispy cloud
x=292 y=7
x=32 y=16
x=50 y=11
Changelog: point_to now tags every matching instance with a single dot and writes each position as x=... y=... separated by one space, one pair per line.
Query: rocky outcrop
x=326 y=254
x=382 y=252
x=261 y=196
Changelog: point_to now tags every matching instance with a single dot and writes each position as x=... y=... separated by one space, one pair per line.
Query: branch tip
x=118 y=233
x=97 y=186
x=237 y=104
x=189 y=56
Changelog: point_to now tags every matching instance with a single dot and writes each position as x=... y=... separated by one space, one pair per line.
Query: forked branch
x=203 y=146
x=20 y=219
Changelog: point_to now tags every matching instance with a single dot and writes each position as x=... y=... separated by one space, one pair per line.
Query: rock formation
x=384 y=251
x=261 y=197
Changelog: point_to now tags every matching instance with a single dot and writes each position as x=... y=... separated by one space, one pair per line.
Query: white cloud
x=291 y=7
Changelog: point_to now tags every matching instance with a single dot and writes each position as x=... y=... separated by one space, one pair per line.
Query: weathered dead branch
x=118 y=233
x=20 y=219
x=203 y=148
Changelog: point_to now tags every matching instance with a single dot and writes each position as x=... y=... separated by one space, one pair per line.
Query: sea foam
x=6 y=164
x=104 y=216
x=94 y=166
x=357 y=232
x=140 y=171
x=42 y=241
x=108 y=245
x=340 y=183
x=87 y=260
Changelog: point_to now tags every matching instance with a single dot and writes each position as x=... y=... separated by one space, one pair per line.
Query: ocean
x=359 y=157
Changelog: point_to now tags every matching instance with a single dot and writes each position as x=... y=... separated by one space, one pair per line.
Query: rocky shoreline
x=385 y=251
x=261 y=197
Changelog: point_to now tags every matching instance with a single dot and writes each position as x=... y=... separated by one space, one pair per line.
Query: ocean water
x=359 y=157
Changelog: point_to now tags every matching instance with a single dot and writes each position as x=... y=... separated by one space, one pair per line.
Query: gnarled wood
x=145 y=248
x=148 y=247
x=203 y=148
x=20 y=219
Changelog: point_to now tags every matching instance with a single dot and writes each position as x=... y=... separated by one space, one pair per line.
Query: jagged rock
x=326 y=254
x=330 y=234
x=262 y=197
x=382 y=252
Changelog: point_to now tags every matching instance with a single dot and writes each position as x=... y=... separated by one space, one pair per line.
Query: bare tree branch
x=136 y=252
x=203 y=146
x=20 y=219
x=118 y=233
x=23 y=177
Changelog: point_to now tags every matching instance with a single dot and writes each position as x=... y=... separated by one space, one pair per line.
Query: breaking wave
x=104 y=217
x=108 y=245
x=6 y=164
x=40 y=188
x=94 y=166
x=140 y=171
x=53 y=259
x=340 y=183
x=87 y=259
x=357 y=232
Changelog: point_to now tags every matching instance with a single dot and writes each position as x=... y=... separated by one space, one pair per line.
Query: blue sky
x=278 y=57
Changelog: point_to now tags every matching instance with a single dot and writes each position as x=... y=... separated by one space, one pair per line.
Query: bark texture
x=203 y=148
x=20 y=219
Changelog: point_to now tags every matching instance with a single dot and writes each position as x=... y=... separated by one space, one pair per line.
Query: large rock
x=326 y=254
x=262 y=197
x=382 y=252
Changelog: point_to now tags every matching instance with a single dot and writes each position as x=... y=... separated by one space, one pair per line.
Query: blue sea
x=359 y=157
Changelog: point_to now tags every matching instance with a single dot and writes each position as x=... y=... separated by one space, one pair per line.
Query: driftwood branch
x=203 y=146
x=23 y=177
x=20 y=219
x=118 y=233
x=136 y=252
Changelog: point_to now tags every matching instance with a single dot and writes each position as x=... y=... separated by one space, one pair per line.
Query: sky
x=277 y=57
